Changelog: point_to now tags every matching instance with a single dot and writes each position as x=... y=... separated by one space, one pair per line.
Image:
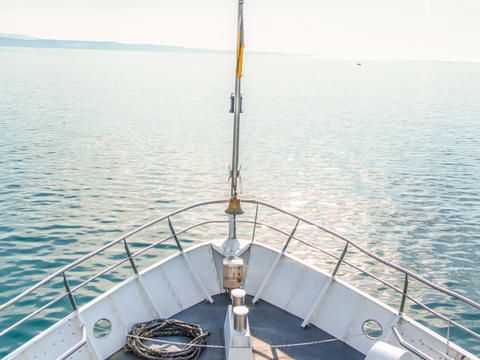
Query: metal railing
x=340 y=259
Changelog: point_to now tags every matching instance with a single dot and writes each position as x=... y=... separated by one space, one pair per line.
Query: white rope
x=176 y=342
x=223 y=347
x=305 y=343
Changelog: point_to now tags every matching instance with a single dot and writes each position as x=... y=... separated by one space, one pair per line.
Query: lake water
x=93 y=143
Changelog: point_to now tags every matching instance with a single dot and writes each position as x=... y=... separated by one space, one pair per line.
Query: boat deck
x=269 y=325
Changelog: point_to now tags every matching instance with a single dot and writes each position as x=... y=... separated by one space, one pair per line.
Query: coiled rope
x=166 y=327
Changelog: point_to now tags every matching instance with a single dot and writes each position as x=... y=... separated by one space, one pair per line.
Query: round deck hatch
x=102 y=328
x=372 y=329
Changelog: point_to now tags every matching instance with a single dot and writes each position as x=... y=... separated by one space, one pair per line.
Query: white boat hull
x=172 y=285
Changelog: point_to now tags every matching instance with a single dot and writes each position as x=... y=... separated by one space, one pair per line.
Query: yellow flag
x=241 y=46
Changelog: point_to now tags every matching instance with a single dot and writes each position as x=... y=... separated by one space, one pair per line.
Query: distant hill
x=16 y=36
x=16 y=40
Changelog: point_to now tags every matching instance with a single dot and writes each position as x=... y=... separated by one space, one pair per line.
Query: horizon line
x=26 y=38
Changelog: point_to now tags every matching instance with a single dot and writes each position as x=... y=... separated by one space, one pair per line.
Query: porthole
x=102 y=328
x=372 y=329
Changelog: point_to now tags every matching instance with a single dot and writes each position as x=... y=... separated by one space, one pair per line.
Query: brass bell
x=234 y=206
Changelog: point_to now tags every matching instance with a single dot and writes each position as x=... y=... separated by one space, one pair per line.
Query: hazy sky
x=406 y=29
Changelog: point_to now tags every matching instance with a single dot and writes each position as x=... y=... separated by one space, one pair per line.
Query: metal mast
x=234 y=204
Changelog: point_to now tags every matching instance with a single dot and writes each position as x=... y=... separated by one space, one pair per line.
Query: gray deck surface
x=269 y=325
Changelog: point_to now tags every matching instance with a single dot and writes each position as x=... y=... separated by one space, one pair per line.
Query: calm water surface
x=94 y=143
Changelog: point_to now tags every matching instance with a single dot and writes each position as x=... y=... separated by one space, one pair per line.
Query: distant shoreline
x=94 y=45
x=108 y=45
x=23 y=41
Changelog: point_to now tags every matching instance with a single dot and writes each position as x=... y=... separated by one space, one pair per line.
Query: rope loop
x=162 y=328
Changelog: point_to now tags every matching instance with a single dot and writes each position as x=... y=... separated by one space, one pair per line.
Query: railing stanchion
x=174 y=235
x=193 y=271
x=340 y=259
x=69 y=292
x=290 y=237
x=139 y=278
x=324 y=289
x=255 y=223
x=448 y=336
x=274 y=265
x=129 y=255
x=404 y=295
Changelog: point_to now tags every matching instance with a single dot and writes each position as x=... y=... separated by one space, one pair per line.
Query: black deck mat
x=269 y=325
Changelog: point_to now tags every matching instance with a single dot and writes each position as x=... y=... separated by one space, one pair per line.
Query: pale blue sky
x=380 y=29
